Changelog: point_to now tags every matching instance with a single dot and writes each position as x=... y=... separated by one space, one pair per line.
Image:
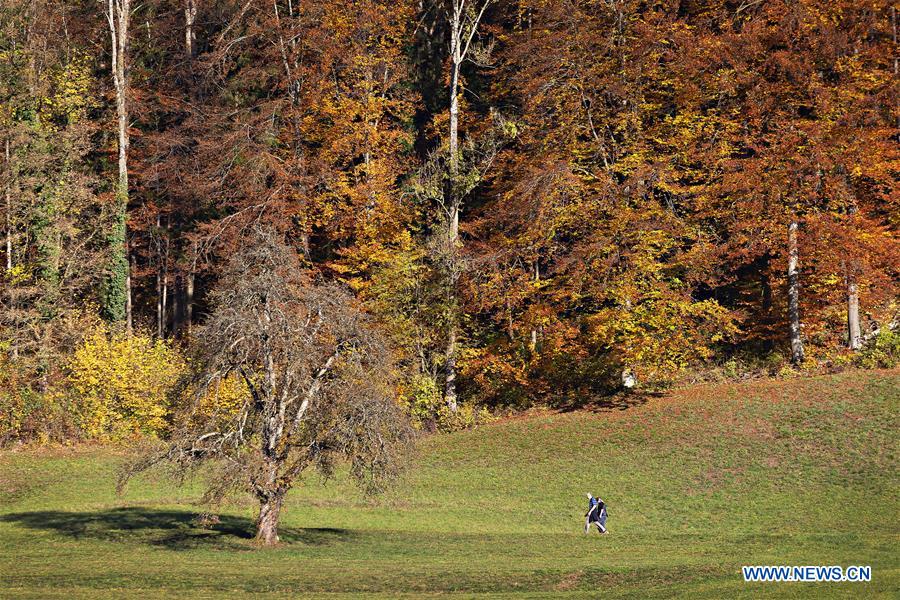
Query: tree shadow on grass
x=614 y=402
x=172 y=529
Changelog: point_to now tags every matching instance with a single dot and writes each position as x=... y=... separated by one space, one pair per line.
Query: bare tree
x=318 y=381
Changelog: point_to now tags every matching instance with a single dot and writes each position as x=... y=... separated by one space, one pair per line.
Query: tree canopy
x=529 y=199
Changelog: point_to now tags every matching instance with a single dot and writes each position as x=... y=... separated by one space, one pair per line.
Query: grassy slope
x=698 y=483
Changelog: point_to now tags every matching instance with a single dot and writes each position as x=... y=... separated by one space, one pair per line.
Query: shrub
x=662 y=336
x=23 y=411
x=120 y=384
x=423 y=400
x=467 y=416
x=34 y=405
x=881 y=351
x=428 y=410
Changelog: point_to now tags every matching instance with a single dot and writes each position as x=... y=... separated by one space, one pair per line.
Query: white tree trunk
x=118 y=18
x=453 y=200
x=794 y=295
x=14 y=347
x=534 y=329
x=189 y=302
x=162 y=282
x=854 y=331
x=190 y=36
x=9 y=243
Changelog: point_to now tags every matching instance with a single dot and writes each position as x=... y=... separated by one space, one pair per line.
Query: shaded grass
x=699 y=482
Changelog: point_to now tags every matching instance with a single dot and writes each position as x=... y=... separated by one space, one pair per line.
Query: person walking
x=596 y=515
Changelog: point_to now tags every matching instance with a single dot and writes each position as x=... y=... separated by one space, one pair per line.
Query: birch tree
x=116 y=293
x=854 y=330
x=793 y=273
x=190 y=34
x=464 y=19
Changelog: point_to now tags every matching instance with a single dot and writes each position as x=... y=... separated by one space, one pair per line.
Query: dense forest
x=531 y=201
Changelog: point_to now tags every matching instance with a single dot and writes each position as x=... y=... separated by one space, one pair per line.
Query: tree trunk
x=14 y=346
x=122 y=110
x=177 y=311
x=9 y=258
x=189 y=302
x=461 y=34
x=269 y=515
x=115 y=293
x=165 y=301
x=794 y=295
x=450 y=381
x=162 y=282
x=128 y=305
x=190 y=36
x=854 y=340
x=454 y=202
x=450 y=362
x=854 y=331
x=534 y=331
x=159 y=307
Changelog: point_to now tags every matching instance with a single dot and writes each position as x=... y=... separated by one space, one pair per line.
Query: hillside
x=698 y=483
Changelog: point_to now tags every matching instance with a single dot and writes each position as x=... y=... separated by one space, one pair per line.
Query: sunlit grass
x=698 y=483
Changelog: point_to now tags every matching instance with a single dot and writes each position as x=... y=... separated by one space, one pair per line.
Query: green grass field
x=698 y=483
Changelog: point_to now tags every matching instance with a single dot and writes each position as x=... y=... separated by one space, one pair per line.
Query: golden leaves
x=121 y=384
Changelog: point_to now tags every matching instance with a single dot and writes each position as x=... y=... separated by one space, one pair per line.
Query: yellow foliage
x=224 y=398
x=18 y=274
x=121 y=384
x=662 y=336
x=428 y=410
x=71 y=97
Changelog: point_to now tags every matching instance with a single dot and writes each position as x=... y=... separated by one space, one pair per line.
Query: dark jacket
x=596 y=507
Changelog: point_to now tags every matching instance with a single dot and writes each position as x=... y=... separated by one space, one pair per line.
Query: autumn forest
x=501 y=202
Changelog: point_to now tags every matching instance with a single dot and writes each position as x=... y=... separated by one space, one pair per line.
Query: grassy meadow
x=698 y=482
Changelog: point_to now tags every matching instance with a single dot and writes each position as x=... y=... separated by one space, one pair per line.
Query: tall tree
x=793 y=282
x=316 y=380
x=116 y=295
x=47 y=95
x=464 y=21
x=594 y=193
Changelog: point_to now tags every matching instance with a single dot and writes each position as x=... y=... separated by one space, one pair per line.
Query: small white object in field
x=628 y=379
